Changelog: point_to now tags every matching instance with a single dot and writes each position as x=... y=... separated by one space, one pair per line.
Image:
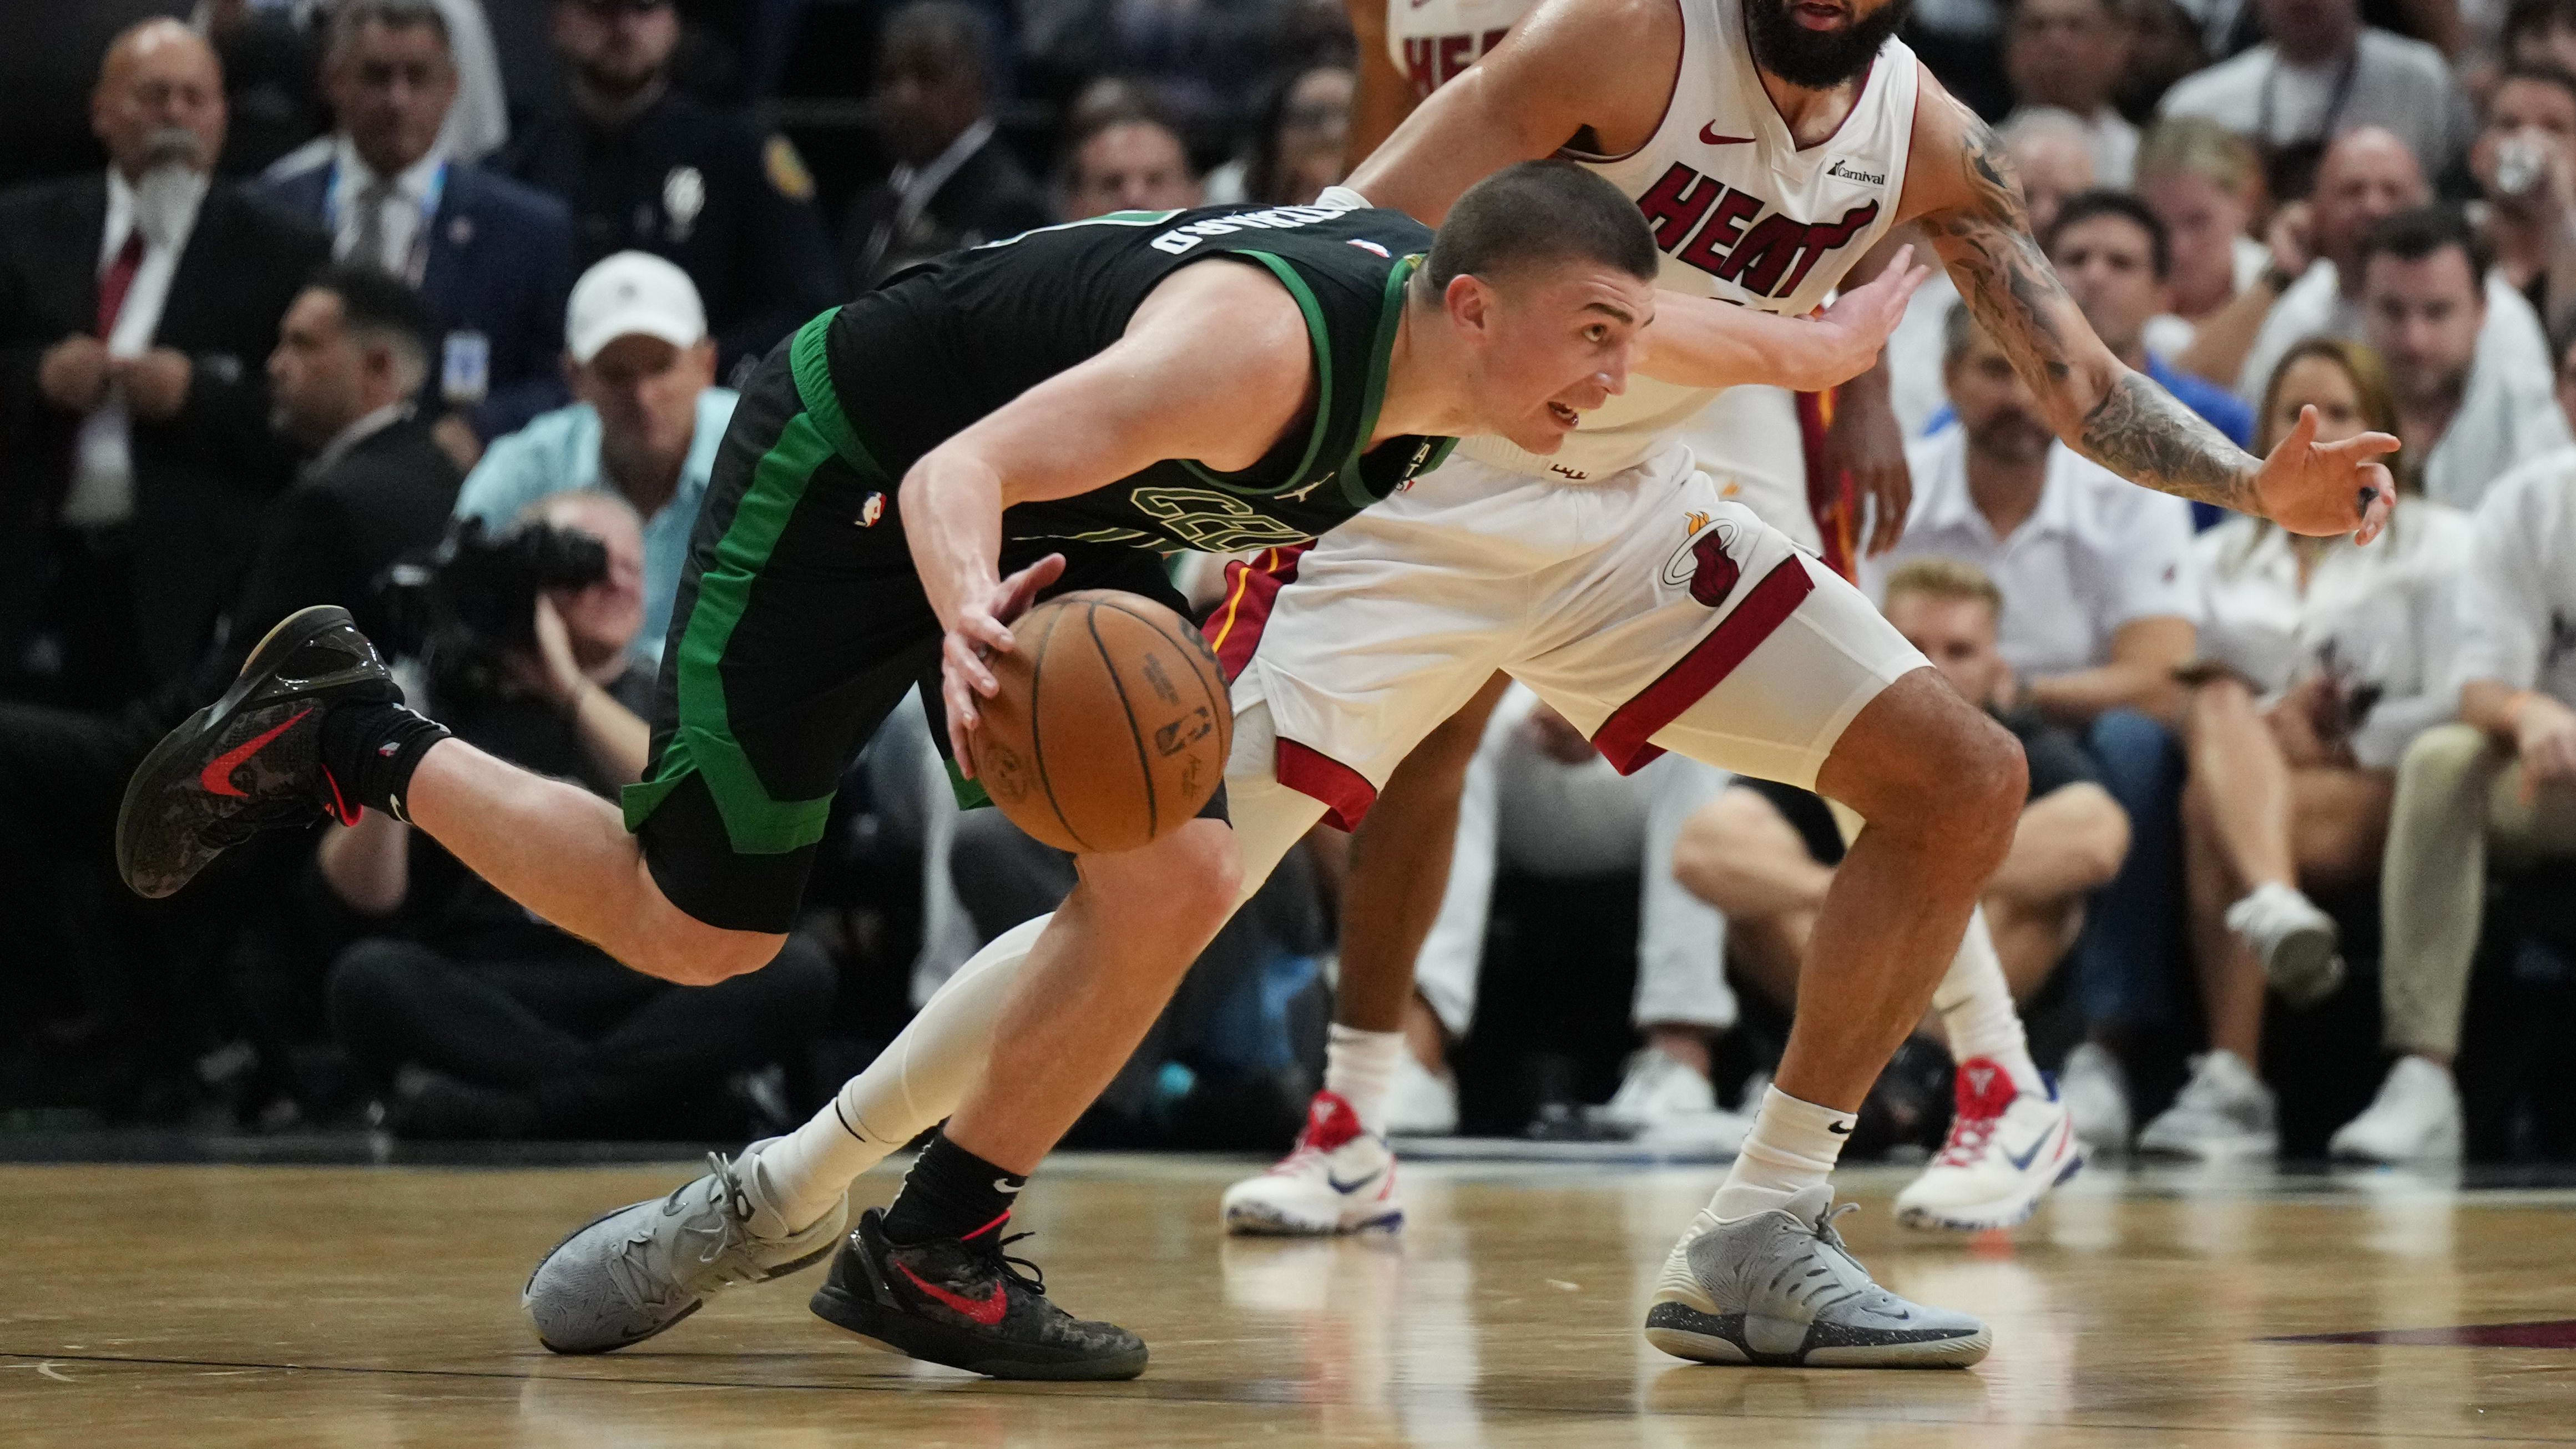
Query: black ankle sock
x=951 y=1193
x=371 y=750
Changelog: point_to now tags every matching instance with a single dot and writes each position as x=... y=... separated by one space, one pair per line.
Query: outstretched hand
x=2323 y=489
x=1866 y=314
x=980 y=631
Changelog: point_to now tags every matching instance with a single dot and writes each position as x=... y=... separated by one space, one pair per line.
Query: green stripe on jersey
x=704 y=742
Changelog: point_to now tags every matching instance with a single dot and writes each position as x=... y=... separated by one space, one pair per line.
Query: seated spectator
x=2320 y=73
x=473 y=1020
x=2164 y=46
x=1298 y=148
x=2540 y=33
x=2205 y=184
x=646 y=427
x=1764 y=853
x=135 y=305
x=2319 y=662
x=1126 y=161
x=2052 y=156
x=2111 y=252
x=2500 y=784
x=2097 y=581
x=348 y=360
x=2068 y=54
x=493 y=257
x=951 y=186
x=646 y=168
x=1540 y=800
x=2466 y=418
x=2525 y=163
x=285 y=35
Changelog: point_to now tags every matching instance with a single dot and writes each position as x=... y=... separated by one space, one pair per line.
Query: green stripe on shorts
x=755 y=823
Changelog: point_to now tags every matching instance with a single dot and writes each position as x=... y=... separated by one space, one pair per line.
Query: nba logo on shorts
x=1703 y=563
x=871 y=511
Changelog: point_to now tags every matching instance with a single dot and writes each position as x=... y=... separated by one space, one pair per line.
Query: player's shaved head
x=1536 y=213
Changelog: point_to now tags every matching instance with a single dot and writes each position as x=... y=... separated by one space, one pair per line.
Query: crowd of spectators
x=329 y=300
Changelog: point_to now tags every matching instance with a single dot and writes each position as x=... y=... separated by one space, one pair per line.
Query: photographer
x=472 y=1018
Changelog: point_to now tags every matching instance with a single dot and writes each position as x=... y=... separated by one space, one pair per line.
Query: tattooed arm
x=1961 y=192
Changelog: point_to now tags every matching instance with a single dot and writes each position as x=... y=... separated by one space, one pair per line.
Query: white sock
x=1359 y=1066
x=1791 y=1148
x=912 y=1086
x=1977 y=1012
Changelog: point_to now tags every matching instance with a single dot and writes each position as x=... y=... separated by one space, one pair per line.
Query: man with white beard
x=136 y=307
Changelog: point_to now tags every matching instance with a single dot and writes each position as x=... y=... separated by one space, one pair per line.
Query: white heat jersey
x=1431 y=41
x=1739 y=211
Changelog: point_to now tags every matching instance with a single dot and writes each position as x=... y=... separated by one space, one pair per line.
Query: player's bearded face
x=1819 y=43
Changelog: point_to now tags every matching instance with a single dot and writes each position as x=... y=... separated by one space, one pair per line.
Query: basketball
x=1112 y=724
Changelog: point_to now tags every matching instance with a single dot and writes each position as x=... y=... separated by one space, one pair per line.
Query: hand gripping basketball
x=981 y=630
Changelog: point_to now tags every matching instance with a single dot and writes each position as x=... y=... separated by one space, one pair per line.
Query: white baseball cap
x=632 y=293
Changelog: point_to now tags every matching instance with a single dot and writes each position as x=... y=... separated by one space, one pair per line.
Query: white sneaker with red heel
x=1339 y=1178
x=2006 y=1149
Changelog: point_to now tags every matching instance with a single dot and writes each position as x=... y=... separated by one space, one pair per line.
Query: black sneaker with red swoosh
x=251 y=761
x=966 y=1305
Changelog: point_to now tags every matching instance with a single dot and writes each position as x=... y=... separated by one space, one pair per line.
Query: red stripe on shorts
x=1623 y=739
x=1234 y=630
x=1346 y=793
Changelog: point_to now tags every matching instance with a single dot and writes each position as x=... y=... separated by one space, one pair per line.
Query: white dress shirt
x=2517 y=618
x=2377 y=620
x=406 y=207
x=102 y=488
x=2512 y=339
x=2402 y=84
x=2097 y=553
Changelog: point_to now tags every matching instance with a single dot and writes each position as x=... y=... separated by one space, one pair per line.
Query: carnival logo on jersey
x=1848 y=172
x=1703 y=562
x=1737 y=237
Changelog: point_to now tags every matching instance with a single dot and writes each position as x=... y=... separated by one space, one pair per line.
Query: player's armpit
x=1547 y=81
x=1970 y=209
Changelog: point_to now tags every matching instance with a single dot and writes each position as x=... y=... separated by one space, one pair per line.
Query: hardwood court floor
x=224 y=1306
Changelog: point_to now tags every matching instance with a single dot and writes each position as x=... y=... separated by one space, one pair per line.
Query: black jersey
x=944 y=344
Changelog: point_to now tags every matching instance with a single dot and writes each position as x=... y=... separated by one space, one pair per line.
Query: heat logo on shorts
x=1703 y=561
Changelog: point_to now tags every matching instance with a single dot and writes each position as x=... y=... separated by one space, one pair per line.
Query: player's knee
x=1211 y=878
x=1923 y=759
x=1980 y=780
x=683 y=949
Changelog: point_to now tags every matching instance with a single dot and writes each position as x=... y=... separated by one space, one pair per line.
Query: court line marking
x=1288 y=1396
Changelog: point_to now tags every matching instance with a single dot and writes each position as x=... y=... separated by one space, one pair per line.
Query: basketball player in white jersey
x=1613 y=581
x=1752 y=443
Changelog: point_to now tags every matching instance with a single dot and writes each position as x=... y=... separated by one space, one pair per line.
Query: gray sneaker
x=627 y=1276
x=1780 y=1289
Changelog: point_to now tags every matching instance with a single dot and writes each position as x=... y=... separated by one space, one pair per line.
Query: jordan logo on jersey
x=1736 y=237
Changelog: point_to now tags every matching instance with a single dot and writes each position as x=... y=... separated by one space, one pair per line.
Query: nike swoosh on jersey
x=1708 y=137
x=217 y=777
x=986 y=1311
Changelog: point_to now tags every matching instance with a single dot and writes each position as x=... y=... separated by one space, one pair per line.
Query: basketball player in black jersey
x=899 y=480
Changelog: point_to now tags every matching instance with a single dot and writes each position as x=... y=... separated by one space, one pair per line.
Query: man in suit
x=951 y=186
x=650 y=170
x=350 y=357
x=134 y=308
x=492 y=257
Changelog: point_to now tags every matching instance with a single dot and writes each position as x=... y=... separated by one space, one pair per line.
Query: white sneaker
x=1663 y=1104
x=2224 y=1112
x=2415 y=1117
x=1419 y=1104
x=2293 y=939
x=2006 y=1149
x=1339 y=1178
x=2096 y=1094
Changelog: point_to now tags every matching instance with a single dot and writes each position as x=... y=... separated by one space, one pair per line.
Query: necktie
x=369 y=249
x=118 y=279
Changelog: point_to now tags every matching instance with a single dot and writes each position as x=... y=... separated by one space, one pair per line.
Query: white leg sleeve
x=1681 y=939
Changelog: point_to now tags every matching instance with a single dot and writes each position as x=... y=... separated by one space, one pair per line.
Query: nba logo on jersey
x=871 y=511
